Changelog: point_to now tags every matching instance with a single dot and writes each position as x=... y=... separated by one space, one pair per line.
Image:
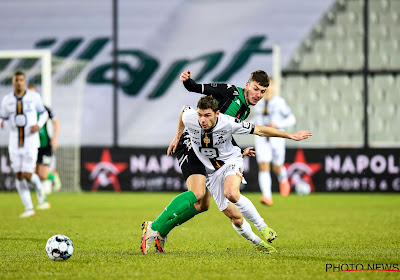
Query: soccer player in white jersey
x=272 y=111
x=21 y=109
x=211 y=137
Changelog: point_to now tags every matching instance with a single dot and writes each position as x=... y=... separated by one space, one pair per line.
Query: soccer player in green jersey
x=48 y=144
x=233 y=101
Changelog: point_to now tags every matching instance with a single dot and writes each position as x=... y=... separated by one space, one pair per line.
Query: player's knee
x=199 y=192
x=264 y=166
x=277 y=169
x=232 y=196
x=19 y=176
x=204 y=207
x=237 y=221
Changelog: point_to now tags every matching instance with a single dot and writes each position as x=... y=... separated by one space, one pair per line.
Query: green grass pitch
x=313 y=231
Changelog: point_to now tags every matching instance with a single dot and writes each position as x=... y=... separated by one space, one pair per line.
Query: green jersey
x=44 y=134
x=231 y=100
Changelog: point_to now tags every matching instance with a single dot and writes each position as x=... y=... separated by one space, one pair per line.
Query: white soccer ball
x=59 y=248
x=302 y=188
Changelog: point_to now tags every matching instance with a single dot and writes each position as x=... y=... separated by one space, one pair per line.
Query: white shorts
x=23 y=160
x=215 y=181
x=270 y=149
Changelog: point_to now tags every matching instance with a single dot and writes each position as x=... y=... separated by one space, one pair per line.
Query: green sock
x=50 y=176
x=178 y=220
x=177 y=206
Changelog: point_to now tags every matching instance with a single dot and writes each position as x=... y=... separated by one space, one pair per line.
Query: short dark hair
x=19 y=73
x=260 y=77
x=208 y=102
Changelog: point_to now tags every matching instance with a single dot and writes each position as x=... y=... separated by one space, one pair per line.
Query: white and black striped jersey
x=214 y=147
x=22 y=114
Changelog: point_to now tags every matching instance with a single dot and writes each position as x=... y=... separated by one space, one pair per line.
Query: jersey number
x=209 y=152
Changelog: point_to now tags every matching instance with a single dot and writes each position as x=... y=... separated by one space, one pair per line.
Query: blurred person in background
x=48 y=134
x=272 y=111
x=21 y=109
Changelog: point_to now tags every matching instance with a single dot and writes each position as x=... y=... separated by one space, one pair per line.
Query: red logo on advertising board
x=104 y=172
x=301 y=170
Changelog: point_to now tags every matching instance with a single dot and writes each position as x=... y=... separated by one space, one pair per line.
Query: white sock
x=246 y=232
x=24 y=194
x=37 y=184
x=264 y=180
x=283 y=175
x=250 y=212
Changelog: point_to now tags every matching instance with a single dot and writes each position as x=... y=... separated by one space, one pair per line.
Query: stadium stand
x=325 y=76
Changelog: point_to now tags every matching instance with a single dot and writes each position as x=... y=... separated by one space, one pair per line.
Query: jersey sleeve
x=39 y=104
x=51 y=114
x=218 y=90
x=188 y=114
x=240 y=127
x=3 y=109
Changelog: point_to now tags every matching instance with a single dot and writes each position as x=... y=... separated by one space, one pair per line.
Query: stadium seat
x=395 y=5
x=389 y=46
x=379 y=31
x=334 y=31
x=354 y=61
x=379 y=5
x=394 y=60
x=378 y=61
x=324 y=46
x=355 y=5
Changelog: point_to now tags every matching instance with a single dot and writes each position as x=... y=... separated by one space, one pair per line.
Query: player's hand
x=185 y=76
x=249 y=152
x=2 y=124
x=34 y=128
x=300 y=135
x=172 y=146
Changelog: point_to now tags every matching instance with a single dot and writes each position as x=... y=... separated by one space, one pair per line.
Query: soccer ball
x=59 y=248
x=302 y=188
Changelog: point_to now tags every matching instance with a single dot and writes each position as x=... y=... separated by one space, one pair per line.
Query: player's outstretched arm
x=179 y=131
x=273 y=132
